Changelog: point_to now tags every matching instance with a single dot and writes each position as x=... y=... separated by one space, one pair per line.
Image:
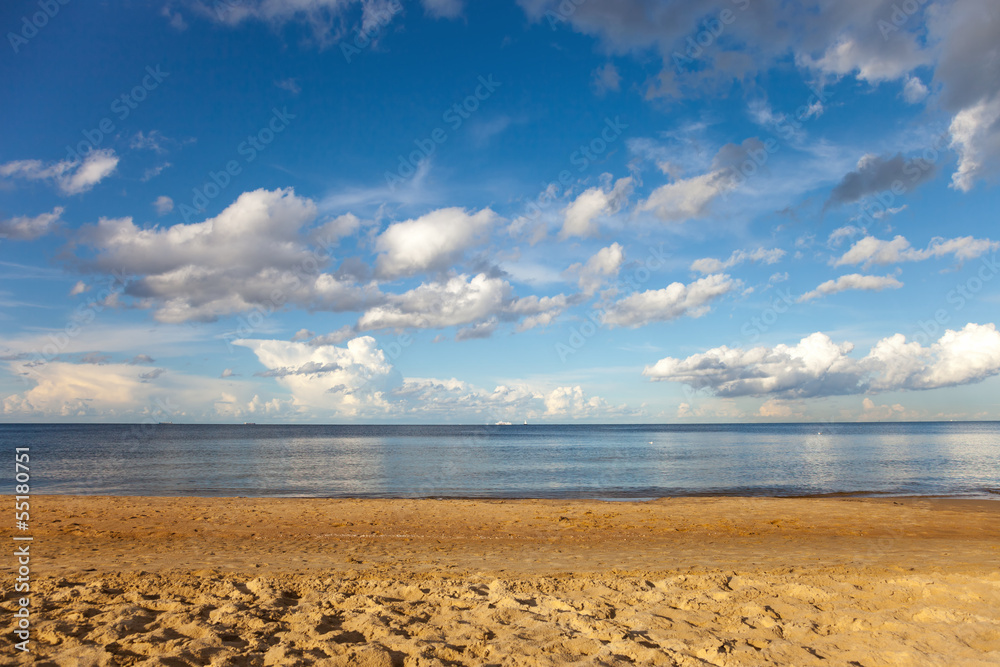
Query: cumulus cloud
x=460 y=301
x=346 y=380
x=675 y=300
x=686 y=198
x=975 y=136
x=434 y=305
x=868 y=60
x=871 y=250
x=853 y=281
x=817 y=366
x=70 y=176
x=24 y=228
x=580 y=217
x=876 y=174
x=163 y=204
x=117 y=392
x=569 y=401
x=763 y=255
x=252 y=254
x=690 y=198
x=914 y=90
x=969 y=32
x=604 y=264
x=431 y=242
x=357 y=379
x=66 y=389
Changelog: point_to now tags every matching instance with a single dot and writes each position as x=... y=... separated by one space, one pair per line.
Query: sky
x=447 y=211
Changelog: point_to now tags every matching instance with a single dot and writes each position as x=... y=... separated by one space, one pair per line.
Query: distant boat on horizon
x=502 y=424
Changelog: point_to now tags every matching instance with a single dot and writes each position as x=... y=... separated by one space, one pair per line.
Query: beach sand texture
x=684 y=581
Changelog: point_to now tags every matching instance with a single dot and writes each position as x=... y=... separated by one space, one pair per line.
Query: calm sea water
x=577 y=461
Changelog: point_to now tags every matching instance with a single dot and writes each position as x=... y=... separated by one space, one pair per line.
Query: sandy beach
x=684 y=581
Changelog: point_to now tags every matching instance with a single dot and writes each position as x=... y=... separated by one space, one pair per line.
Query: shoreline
x=407 y=583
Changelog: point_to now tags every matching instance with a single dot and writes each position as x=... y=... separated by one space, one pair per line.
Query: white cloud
x=357 y=380
x=817 y=366
x=461 y=301
x=853 y=281
x=123 y=392
x=605 y=263
x=870 y=61
x=431 y=242
x=331 y=231
x=24 y=228
x=841 y=234
x=536 y=311
x=571 y=401
x=763 y=255
x=975 y=136
x=688 y=198
x=252 y=254
x=163 y=204
x=70 y=176
x=914 y=90
x=346 y=380
x=871 y=250
x=434 y=305
x=79 y=288
x=675 y=300
x=580 y=217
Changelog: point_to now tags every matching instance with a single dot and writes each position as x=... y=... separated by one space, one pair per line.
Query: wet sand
x=682 y=581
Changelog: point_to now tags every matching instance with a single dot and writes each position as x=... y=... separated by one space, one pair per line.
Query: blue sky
x=454 y=212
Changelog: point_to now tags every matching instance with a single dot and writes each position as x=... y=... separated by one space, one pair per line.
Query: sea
x=611 y=462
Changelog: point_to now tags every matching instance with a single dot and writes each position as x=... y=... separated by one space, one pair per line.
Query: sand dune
x=184 y=581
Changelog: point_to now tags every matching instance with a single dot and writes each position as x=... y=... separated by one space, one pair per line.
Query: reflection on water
x=610 y=461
